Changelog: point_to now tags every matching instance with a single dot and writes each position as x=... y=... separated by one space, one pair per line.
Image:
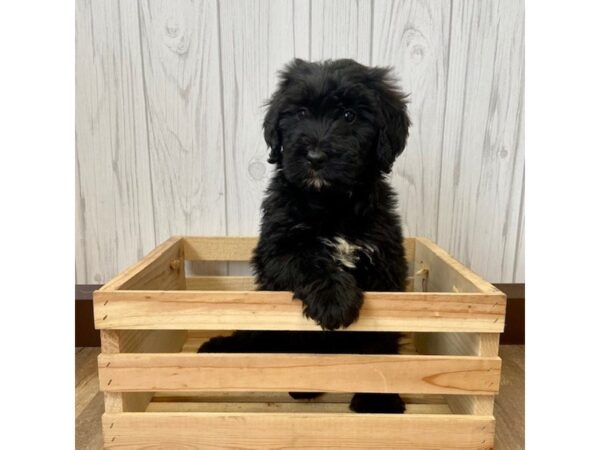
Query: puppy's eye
x=302 y=113
x=349 y=116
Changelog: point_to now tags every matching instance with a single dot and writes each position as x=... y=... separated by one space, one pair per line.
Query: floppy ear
x=275 y=106
x=393 y=117
x=271 y=126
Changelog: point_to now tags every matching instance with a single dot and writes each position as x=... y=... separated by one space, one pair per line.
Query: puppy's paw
x=377 y=403
x=333 y=302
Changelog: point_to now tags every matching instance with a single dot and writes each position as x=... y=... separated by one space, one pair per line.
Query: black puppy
x=329 y=229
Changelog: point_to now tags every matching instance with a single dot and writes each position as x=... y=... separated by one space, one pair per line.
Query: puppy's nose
x=316 y=157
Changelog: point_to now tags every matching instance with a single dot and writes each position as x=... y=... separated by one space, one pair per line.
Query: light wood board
x=301 y=431
x=134 y=372
x=256 y=310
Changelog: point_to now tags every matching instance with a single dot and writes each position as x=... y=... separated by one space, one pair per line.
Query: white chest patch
x=347 y=253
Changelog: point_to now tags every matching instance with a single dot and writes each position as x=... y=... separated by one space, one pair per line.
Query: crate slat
x=259 y=310
x=218 y=248
x=240 y=248
x=447 y=274
x=162 y=268
x=220 y=283
x=284 y=407
x=134 y=372
x=279 y=397
x=296 y=431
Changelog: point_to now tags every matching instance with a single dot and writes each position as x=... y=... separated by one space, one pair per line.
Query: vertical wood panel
x=182 y=82
x=114 y=220
x=482 y=165
x=413 y=37
x=340 y=29
x=169 y=114
x=519 y=264
x=257 y=39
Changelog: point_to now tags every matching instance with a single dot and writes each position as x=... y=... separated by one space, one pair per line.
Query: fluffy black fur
x=329 y=229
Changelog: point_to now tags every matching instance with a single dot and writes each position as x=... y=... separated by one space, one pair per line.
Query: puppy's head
x=334 y=124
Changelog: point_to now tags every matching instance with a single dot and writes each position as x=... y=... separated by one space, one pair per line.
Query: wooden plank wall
x=169 y=111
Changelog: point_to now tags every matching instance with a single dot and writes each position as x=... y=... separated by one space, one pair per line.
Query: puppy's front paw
x=333 y=302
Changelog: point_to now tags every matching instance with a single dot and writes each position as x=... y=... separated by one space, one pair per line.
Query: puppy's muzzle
x=316 y=157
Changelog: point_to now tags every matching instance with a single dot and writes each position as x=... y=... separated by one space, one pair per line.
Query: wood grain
x=241 y=372
x=257 y=39
x=340 y=29
x=509 y=408
x=197 y=248
x=413 y=37
x=300 y=431
x=169 y=102
x=445 y=273
x=240 y=248
x=220 y=283
x=482 y=165
x=278 y=397
x=114 y=208
x=258 y=310
x=122 y=341
x=180 y=45
x=475 y=344
x=162 y=268
x=284 y=407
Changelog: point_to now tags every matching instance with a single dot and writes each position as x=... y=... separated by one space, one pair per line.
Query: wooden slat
x=198 y=248
x=285 y=407
x=412 y=37
x=122 y=341
x=162 y=268
x=250 y=57
x=446 y=274
x=231 y=310
x=181 y=79
x=221 y=248
x=238 y=283
x=115 y=212
x=330 y=19
x=481 y=175
x=280 y=401
x=409 y=248
x=299 y=372
x=296 y=431
x=280 y=397
x=464 y=344
x=216 y=283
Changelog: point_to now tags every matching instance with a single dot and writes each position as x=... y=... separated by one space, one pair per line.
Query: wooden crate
x=159 y=393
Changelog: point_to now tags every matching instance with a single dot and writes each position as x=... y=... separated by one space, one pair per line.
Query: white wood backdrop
x=169 y=111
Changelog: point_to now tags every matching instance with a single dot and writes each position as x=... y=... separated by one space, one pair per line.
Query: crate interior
x=279 y=401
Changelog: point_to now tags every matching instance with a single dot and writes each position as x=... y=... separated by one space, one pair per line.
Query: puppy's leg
x=371 y=343
x=306 y=266
x=240 y=341
x=377 y=403
x=305 y=395
x=333 y=299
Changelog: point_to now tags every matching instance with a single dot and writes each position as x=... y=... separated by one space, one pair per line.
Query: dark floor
x=509 y=409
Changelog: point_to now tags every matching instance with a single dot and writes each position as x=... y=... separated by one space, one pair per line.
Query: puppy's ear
x=275 y=106
x=271 y=126
x=393 y=118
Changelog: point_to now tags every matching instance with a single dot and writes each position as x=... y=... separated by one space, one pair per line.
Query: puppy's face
x=335 y=124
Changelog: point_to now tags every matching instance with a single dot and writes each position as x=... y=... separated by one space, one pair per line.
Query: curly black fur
x=329 y=229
